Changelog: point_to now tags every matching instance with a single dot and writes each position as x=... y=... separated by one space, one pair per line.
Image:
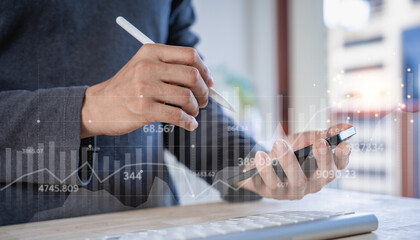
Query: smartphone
x=304 y=155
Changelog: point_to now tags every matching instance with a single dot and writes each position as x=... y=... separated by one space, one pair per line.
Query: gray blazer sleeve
x=40 y=135
x=215 y=151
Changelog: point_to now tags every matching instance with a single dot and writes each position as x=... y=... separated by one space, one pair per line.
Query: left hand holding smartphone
x=297 y=184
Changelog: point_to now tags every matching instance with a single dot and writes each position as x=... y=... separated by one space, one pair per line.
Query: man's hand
x=137 y=94
x=297 y=185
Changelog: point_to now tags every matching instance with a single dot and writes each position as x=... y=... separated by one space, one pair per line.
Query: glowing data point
x=89 y=121
x=408 y=69
x=411 y=121
x=193 y=146
x=141 y=96
x=38 y=121
x=408 y=96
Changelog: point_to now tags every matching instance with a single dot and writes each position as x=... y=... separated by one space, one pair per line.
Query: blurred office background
x=298 y=65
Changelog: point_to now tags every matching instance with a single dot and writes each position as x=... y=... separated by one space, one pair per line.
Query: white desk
x=399 y=218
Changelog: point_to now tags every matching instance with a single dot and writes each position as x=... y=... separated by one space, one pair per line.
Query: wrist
x=87 y=116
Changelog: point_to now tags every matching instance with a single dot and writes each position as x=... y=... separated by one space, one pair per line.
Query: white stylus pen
x=136 y=33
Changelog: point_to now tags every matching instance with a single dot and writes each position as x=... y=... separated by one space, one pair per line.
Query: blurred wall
x=241 y=35
x=308 y=65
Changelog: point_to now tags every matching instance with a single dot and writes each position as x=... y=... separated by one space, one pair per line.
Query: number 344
x=132 y=175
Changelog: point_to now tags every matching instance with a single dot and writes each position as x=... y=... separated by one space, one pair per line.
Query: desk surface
x=398 y=217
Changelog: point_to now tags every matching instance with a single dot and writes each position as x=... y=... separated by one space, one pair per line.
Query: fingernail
x=285 y=146
x=280 y=148
x=211 y=80
x=194 y=123
x=347 y=150
x=261 y=158
x=322 y=146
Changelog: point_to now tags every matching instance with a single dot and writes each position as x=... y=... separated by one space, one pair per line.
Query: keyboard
x=280 y=225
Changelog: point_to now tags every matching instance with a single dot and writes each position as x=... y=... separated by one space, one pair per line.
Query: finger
x=266 y=170
x=189 y=77
x=304 y=139
x=326 y=171
x=173 y=115
x=180 y=55
x=179 y=96
x=336 y=129
x=295 y=177
x=279 y=193
x=342 y=155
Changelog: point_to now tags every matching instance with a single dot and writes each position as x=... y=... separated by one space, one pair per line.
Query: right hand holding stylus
x=136 y=95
